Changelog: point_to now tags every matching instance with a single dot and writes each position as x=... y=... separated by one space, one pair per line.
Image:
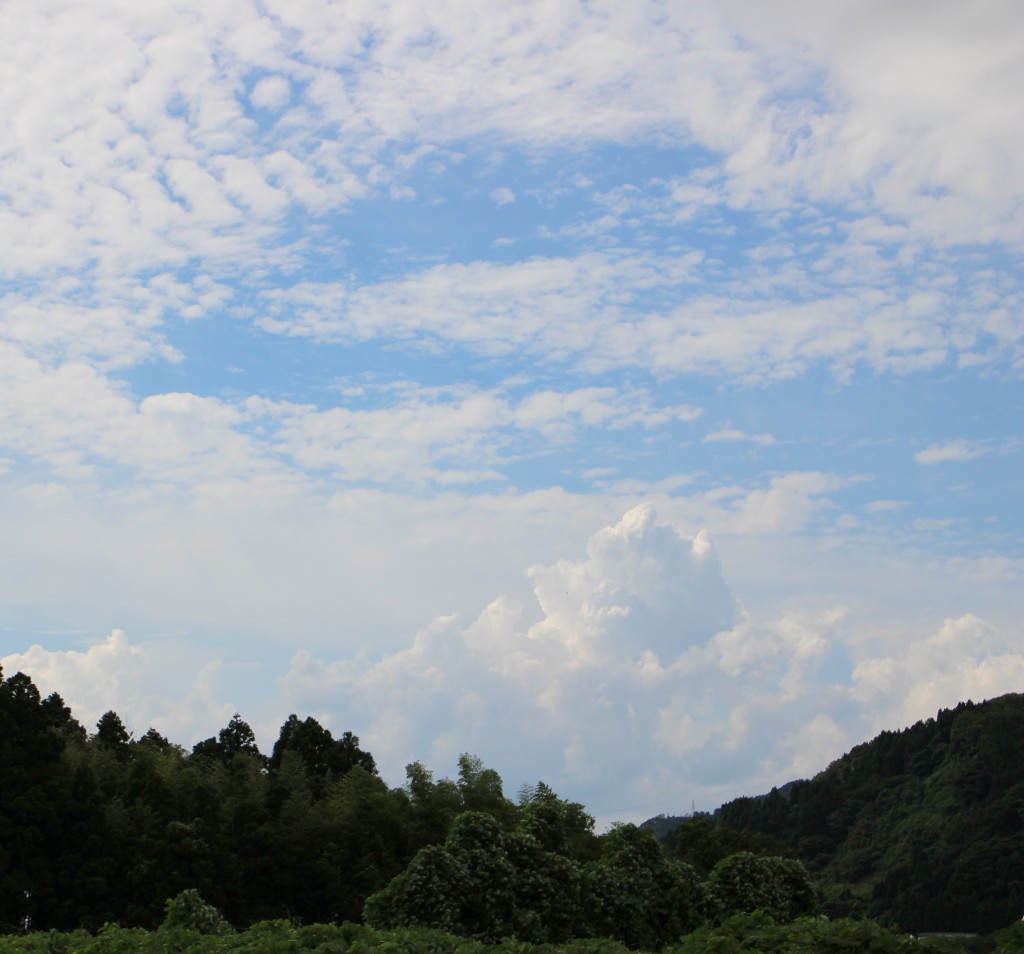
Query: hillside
x=922 y=828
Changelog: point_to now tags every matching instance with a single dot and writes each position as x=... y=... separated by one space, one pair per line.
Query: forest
x=922 y=828
x=102 y=833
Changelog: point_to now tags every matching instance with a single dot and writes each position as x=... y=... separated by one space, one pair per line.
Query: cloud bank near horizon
x=634 y=680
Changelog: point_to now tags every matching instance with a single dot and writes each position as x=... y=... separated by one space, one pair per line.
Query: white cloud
x=503 y=196
x=271 y=92
x=102 y=671
x=965 y=659
x=788 y=503
x=137 y=681
x=640 y=653
x=119 y=123
x=631 y=679
x=950 y=451
x=560 y=306
x=644 y=591
x=455 y=435
x=901 y=116
x=602 y=311
x=732 y=434
x=987 y=568
x=84 y=424
x=834 y=189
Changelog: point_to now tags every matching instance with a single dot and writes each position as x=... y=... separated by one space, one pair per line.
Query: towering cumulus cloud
x=637 y=679
x=553 y=691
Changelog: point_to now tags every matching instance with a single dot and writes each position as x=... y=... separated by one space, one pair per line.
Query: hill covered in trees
x=101 y=827
x=921 y=828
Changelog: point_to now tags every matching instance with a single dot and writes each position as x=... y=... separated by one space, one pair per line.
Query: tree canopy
x=922 y=829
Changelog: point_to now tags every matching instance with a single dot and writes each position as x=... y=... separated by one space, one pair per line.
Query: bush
x=757 y=933
x=189 y=912
x=1011 y=940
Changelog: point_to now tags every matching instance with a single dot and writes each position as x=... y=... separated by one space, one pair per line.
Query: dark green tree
x=323 y=757
x=638 y=895
x=745 y=882
x=702 y=841
x=562 y=827
x=112 y=735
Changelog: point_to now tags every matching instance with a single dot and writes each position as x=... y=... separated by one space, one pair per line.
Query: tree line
x=103 y=827
x=921 y=829
x=100 y=827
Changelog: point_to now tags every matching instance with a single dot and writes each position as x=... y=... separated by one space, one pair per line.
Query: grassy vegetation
x=741 y=934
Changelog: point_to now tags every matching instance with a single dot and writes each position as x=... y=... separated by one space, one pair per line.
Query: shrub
x=189 y=912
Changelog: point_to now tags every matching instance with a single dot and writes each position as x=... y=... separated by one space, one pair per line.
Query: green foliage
x=321 y=755
x=482 y=883
x=111 y=734
x=923 y=828
x=1011 y=940
x=42 y=822
x=189 y=912
x=638 y=895
x=744 y=882
x=560 y=826
x=741 y=934
x=424 y=895
x=758 y=932
x=702 y=841
x=481 y=788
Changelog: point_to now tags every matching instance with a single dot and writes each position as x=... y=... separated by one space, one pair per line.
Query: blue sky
x=629 y=394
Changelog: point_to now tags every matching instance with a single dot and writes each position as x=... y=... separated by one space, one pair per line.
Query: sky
x=629 y=394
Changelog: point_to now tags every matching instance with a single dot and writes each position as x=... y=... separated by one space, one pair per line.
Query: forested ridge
x=103 y=828
x=922 y=828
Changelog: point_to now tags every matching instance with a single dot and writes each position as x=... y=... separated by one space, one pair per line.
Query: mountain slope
x=922 y=828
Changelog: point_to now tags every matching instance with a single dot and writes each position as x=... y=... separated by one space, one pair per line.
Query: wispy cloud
x=732 y=434
x=950 y=451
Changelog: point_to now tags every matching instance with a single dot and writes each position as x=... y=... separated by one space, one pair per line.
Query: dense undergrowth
x=741 y=934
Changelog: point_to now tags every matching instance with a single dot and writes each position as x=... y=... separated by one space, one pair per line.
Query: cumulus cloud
x=137 y=681
x=633 y=681
x=641 y=678
x=643 y=594
x=271 y=92
x=790 y=502
x=100 y=672
x=965 y=659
